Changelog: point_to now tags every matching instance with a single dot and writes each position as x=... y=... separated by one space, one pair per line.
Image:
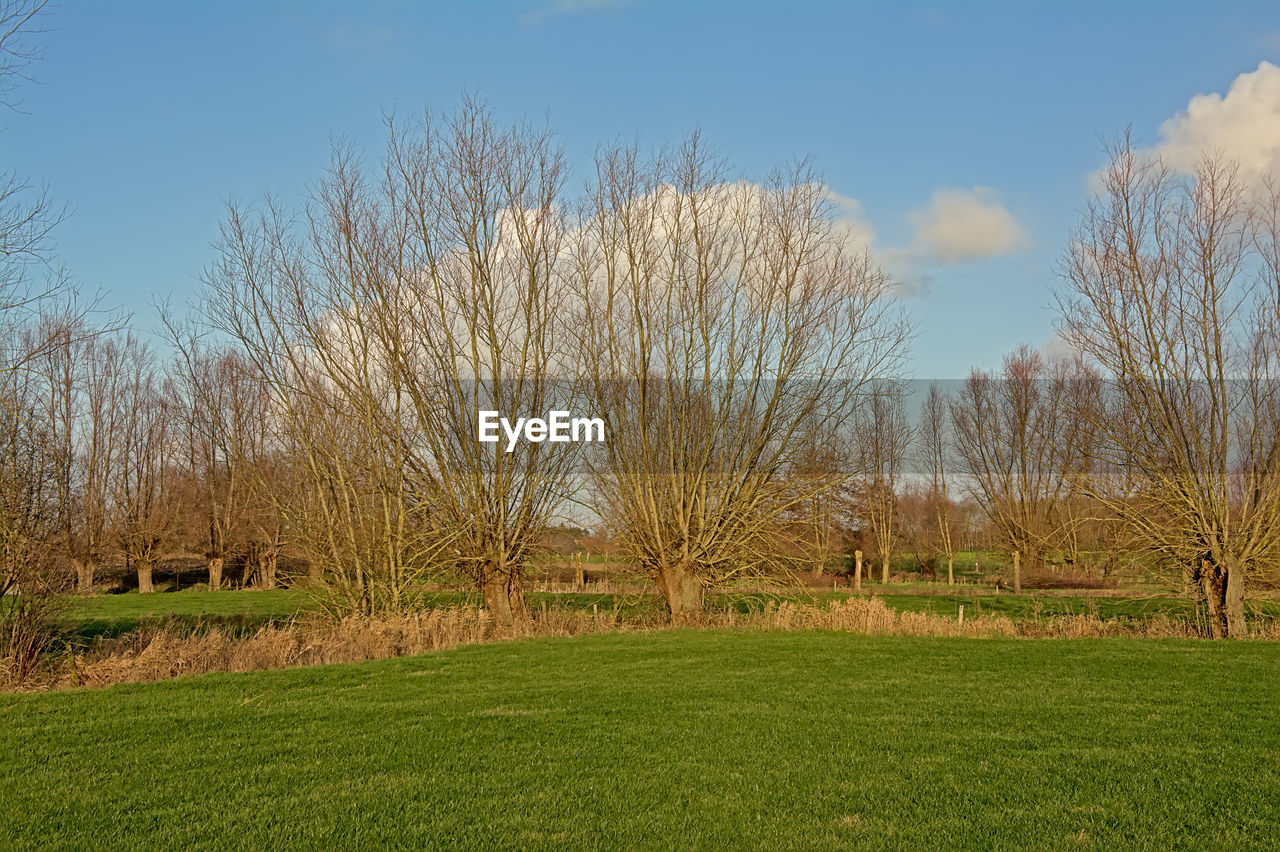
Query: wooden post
x=962 y=613
x=579 y=576
x=1017 y=573
x=857 y=570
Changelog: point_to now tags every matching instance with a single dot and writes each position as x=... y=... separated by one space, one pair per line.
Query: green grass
x=245 y=611
x=278 y=602
x=675 y=739
x=1032 y=606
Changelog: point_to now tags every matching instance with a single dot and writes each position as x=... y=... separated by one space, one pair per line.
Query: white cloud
x=860 y=235
x=851 y=220
x=1244 y=125
x=1056 y=348
x=966 y=224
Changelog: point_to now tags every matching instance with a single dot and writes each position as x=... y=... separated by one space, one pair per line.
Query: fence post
x=857 y=570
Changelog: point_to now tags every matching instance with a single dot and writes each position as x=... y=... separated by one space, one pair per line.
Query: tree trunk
x=884 y=569
x=84 y=576
x=1215 y=596
x=857 y=570
x=1017 y=573
x=215 y=573
x=1233 y=600
x=951 y=572
x=144 y=578
x=502 y=597
x=682 y=589
x=579 y=575
x=268 y=562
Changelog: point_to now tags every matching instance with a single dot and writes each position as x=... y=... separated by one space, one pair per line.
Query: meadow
x=692 y=738
x=244 y=611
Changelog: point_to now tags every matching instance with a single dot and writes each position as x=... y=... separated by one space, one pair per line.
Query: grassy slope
x=677 y=738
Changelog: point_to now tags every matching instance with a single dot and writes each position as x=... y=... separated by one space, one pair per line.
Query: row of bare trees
x=1160 y=436
x=742 y=352
x=713 y=325
x=112 y=454
x=1172 y=289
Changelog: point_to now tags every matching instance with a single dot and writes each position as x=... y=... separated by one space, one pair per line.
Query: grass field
x=676 y=738
x=112 y=615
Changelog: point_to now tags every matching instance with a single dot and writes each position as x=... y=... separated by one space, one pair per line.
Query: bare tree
x=819 y=469
x=27 y=214
x=935 y=445
x=406 y=306
x=1170 y=287
x=19 y=21
x=83 y=373
x=483 y=298
x=256 y=450
x=212 y=414
x=29 y=624
x=289 y=302
x=720 y=320
x=1022 y=447
x=27 y=503
x=883 y=436
x=142 y=466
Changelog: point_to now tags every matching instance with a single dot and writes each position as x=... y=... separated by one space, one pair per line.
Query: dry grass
x=28 y=630
x=159 y=653
x=870 y=616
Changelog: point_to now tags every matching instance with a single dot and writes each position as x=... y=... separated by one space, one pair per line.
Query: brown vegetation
x=160 y=652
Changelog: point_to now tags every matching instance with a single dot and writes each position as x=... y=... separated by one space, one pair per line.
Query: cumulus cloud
x=966 y=224
x=860 y=235
x=1243 y=125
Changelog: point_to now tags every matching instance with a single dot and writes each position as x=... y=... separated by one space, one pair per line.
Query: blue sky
x=148 y=115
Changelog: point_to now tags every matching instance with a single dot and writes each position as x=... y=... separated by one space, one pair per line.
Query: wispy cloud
x=569 y=7
x=360 y=37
